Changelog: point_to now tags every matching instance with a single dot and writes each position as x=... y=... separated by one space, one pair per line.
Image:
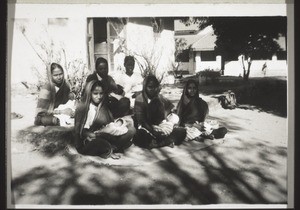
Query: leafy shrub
x=209 y=75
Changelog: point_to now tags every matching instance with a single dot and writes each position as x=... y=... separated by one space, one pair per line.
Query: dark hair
x=129 y=58
x=191 y=81
x=153 y=79
x=97 y=83
x=54 y=66
x=100 y=60
x=90 y=86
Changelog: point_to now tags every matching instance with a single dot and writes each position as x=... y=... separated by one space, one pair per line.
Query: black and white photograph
x=150 y=105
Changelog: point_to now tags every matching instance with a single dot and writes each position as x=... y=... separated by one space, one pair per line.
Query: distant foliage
x=77 y=72
x=209 y=75
x=250 y=37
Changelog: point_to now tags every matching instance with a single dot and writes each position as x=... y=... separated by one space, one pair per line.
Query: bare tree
x=147 y=60
x=48 y=51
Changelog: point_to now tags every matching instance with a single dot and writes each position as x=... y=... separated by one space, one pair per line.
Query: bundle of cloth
x=201 y=129
x=66 y=120
x=167 y=125
x=115 y=128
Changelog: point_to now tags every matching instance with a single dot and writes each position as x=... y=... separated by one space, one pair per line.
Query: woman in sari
x=119 y=105
x=91 y=116
x=150 y=109
x=193 y=110
x=53 y=94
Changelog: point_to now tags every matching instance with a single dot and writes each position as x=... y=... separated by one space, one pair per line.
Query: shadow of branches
x=169 y=181
x=253 y=173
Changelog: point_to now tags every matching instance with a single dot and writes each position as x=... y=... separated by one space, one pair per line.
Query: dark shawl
x=193 y=109
x=144 y=112
x=109 y=84
x=103 y=115
x=49 y=99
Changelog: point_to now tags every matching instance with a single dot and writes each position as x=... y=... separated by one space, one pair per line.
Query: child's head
x=57 y=74
x=173 y=118
x=97 y=92
x=101 y=67
x=129 y=63
x=156 y=110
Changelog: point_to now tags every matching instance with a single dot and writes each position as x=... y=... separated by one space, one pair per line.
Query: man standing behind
x=130 y=80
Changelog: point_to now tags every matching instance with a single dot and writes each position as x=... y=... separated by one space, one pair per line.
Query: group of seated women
x=105 y=124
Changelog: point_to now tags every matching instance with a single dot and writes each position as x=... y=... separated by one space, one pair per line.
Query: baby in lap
x=116 y=128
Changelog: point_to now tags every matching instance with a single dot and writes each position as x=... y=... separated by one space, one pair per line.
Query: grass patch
x=268 y=93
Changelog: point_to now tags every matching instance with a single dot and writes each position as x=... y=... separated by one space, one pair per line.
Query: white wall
x=70 y=36
x=234 y=68
x=141 y=42
x=274 y=68
x=215 y=65
x=208 y=65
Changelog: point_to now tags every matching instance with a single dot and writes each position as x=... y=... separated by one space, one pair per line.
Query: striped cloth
x=49 y=99
x=164 y=127
x=192 y=133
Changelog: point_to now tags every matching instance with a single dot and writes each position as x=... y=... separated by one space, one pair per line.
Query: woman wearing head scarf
x=53 y=94
x=91 y=116
x=150 y=109
x=191 y=107
x=118 y=104
x=192 y=112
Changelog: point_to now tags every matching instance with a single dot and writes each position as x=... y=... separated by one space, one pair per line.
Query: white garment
x=90 y=116
x=65 y=120
x=167 y=125
x=116 y=128
x=70 y=104
x=99 y=78
x=56 y=88
x=130 y=84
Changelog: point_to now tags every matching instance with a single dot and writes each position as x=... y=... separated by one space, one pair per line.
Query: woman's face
x=97 y=95
x=102 y=70
x=151 y=89
x=191 y=89
x=57 y=76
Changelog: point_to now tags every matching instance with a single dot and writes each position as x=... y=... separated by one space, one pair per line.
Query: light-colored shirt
x=131 y=83
x=99 y=78
x=56 y=88
x=90 y=116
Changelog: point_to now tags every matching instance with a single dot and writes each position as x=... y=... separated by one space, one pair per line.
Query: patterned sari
x=48 y=100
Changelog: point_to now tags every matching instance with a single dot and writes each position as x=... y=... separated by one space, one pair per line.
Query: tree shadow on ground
x=237 y=182
x=171 y=181
x=197 y=178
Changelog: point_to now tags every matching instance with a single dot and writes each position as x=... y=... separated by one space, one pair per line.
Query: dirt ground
x=248 y=166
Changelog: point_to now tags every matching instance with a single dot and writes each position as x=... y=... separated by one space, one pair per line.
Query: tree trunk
x=249 y=61
x=244 y=69
x=246 y=72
